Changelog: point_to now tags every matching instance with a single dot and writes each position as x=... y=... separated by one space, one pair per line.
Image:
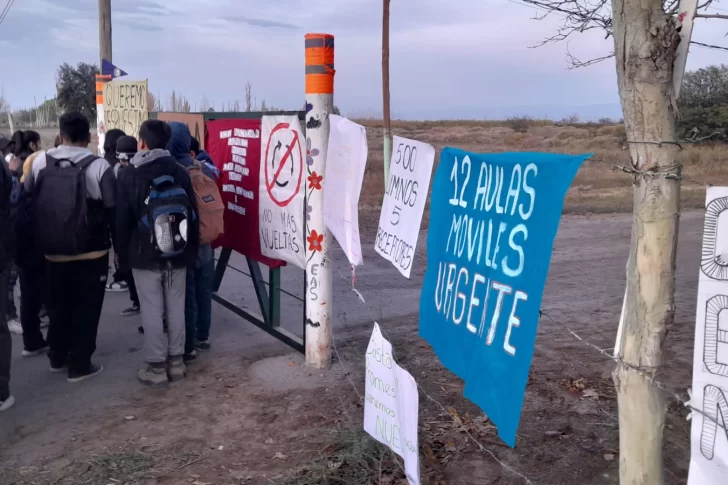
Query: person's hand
x=14 y=163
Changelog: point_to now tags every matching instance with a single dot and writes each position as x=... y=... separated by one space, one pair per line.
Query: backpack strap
x=86 y=162
x=163 y=179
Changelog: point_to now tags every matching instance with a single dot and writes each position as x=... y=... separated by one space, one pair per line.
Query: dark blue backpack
x=165 y=219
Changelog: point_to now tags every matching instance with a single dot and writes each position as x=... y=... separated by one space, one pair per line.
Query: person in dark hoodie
x=202 y=156
x=144 y=246
x=117 y=283
x=198 y=302
x=73 y=230
x=9 y=194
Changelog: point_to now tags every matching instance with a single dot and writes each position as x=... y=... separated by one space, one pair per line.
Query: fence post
x=100 y=126
x=319 y=104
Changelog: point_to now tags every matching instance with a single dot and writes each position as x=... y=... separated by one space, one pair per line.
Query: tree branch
x=711 y=16
x=710 y=46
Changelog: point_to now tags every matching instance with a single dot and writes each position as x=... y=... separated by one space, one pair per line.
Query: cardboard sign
x=404 y=202
x=281 y=189
x=709 y=438
x=125 y=106
x=234 y=145
x=493 y=219
x=391 y=404
x=194 y=121
x=347 y=159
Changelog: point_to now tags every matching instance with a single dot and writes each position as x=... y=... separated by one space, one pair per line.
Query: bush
x=519 y=124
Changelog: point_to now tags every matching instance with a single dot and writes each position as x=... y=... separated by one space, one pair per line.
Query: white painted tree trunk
x=645 y=43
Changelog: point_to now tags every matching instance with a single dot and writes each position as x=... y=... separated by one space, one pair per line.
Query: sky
x=460 y=59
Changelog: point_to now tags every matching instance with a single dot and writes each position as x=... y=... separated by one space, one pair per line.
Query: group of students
x=154 y=200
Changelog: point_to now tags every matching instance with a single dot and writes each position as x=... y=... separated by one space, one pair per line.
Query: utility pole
x=105 y=30
x=319 y=282
x=105 y=53
x=385 y=92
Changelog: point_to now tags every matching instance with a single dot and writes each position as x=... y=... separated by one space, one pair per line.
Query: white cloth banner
x=345 y=164
x=709 y=435
x=391 y=404
x=282 y=189
x=404 y=202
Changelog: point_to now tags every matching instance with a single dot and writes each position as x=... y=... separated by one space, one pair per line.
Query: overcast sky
x=463 y=58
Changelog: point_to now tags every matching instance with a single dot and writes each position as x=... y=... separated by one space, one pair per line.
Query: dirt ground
x=250 y=413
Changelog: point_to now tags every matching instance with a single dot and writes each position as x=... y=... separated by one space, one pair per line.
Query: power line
x=6 y=10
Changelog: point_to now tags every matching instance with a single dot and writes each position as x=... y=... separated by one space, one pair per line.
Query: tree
x=645 y=43
x=76 y=88
x=703 y=103
x=248 y=97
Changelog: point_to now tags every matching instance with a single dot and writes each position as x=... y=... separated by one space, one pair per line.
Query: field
x=250 y=413
x=598 y=187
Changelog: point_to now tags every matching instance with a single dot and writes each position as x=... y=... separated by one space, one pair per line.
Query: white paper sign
x=391 y=404
x=282 y=189
x=404 y=202
x=709 y=438
x=347 y=159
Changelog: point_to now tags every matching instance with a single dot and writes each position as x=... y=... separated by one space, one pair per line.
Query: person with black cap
x=126 y=148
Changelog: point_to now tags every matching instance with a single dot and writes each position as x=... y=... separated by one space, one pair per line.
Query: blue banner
x=493 y=219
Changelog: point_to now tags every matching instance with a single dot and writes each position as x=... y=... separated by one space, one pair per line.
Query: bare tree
x=248 y=97
x=173 y=102
x=646 y=37
x=205 y=104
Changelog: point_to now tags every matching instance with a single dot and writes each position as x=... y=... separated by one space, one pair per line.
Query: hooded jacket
x=9 y=193
x=134 y=185
x=100 y=188
x=179 y=147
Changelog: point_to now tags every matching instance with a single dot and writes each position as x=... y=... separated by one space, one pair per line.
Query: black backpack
x=61 y=207
x=165 y=219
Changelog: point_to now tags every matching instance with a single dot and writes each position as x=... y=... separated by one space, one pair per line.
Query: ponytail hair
x=22 y=141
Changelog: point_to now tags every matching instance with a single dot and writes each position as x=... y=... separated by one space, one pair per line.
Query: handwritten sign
x=391 y=404
x=404 y=202
x=281 y=189
x=709 y=436
x=125 y=106
x=234 y=145
x=493 y=219
x=347 y=159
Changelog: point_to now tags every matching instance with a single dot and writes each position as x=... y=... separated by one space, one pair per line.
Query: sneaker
x=92 y=371
x=40 y=350
x=154 y=375
x=202 y=345
x=176 y=369
x=15 y=327
x=131 y=311
x=191 y=357
x=7 y=403
x=58 y=370
x=117 y=287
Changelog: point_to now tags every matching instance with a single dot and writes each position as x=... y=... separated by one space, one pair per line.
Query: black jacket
x=134 y=183
x=9 y=192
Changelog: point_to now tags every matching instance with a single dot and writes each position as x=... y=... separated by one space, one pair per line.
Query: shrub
x=519 y=124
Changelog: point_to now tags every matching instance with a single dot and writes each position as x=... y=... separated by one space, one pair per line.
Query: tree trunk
x=645 y=41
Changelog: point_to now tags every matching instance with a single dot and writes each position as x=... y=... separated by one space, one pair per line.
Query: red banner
x=234 y=145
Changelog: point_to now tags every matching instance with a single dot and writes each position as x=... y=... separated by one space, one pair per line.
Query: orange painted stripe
x=320 y=64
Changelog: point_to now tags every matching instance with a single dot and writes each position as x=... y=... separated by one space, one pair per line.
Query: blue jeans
x=198 y=302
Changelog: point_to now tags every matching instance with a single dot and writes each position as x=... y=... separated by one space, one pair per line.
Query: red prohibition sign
x=270 y=183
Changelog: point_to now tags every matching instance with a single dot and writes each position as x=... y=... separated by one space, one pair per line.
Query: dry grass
x=597 y=188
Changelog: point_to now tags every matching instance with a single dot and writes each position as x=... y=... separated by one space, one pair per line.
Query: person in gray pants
x=157 y=237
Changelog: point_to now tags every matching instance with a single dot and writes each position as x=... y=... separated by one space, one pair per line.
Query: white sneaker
x=7 y=404
x=15 y=327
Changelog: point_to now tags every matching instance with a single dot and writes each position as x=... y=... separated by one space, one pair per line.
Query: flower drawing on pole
x=310 y=153
x=315 y=240
x=314 y=181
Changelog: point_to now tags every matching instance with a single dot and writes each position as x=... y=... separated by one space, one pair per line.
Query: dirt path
x=250 y=414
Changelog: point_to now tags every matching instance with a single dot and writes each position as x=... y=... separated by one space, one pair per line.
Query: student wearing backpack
x=9 y=193
x=198 y=301
x=74 y=197
x=157 y=237
x=126 y=148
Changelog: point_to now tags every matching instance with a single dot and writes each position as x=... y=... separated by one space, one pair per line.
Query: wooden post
x=645 y=38
x=105 y=53
x=385 y=92
x=319 y=105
